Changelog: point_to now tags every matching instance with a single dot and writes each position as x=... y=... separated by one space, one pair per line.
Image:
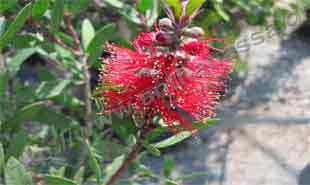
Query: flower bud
x=163 y=38
x=165 y=24
x=195 y=32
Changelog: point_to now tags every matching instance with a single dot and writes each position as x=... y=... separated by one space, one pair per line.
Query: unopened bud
x=163 y=38
x=165 y=24
x=195 y=32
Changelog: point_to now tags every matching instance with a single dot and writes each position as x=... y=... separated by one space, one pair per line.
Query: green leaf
x=16 y=174
x=78 y=6
x=23 y=115
x=16 y=25
x=176 y=6
x=169 y=164
x=79 y=176
x=193 y=5
x=155 y=133
x=144 y=5
x=280 y=21
x=219 y=9
x=171 y=182
x=51 y=89
x=57 y=14
x=130 y=13
x=173 y=140
x=95 y=46
x=20 y=57
x=25 y=41
x=2 y=24
x=37 y=112
x=4 y=77
x=7 y=4
x=113 y=167
x=2 y=159
x=88 y=32
x=60 y=172
x=123 y=127
x=192 y=176
x=151 y=14
x=206 y=123
x=52 y=117
x=56 y=180
x=115 y=3
x=152 y=150
x=94 y=163
x=39 y=8
x=18 y=144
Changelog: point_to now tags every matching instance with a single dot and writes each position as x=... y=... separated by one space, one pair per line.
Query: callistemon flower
x=183 y=85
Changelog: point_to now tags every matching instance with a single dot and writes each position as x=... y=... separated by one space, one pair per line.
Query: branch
x=76 y=50
x=50 y=36
x=131 y=157
x=72 y=32
x=83 y=59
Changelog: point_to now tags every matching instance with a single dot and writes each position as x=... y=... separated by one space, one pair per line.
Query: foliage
x=49 y=58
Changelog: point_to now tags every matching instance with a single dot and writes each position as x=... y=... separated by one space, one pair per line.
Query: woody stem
x=131 y=157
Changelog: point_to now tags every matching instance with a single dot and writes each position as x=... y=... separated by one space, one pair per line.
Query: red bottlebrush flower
x=182 y=86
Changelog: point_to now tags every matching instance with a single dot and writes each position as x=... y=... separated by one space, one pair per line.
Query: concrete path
x=264 y=134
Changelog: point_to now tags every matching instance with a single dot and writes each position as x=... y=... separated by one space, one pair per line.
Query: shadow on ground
x=271 y=85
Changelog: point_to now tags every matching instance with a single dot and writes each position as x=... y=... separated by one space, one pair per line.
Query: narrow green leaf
x=16 y=25
x=115 y=3
x=152 y=13
x=4 y=77
x=193 y=5
x=60 y=172
x=24 y=41
x=155 y=133
x=171 y=182
x=88 y=32
x=2 y=25
x=245 y=5
x=57 y=14
x=93 y=163
x=169 y=164
x=144 y=5
x=23 y=115
x=2 y=159
x=123 y=127
x=130 y=13
x=221 y=12
x=56 y=180
x=7 y=4
x=173 y=140
x=176 y=6
x=39 y=8
x=38 y=112
x=206 y=123
x=78 y=6
x=113 y=167
x=51 y=89
x=95 y=46
x=152 y=150
x=280 y=21
x=192 y=176
x=20 y=57
x=18 y=144
x=16 y=174
x=52 y=117
x=79 y=176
